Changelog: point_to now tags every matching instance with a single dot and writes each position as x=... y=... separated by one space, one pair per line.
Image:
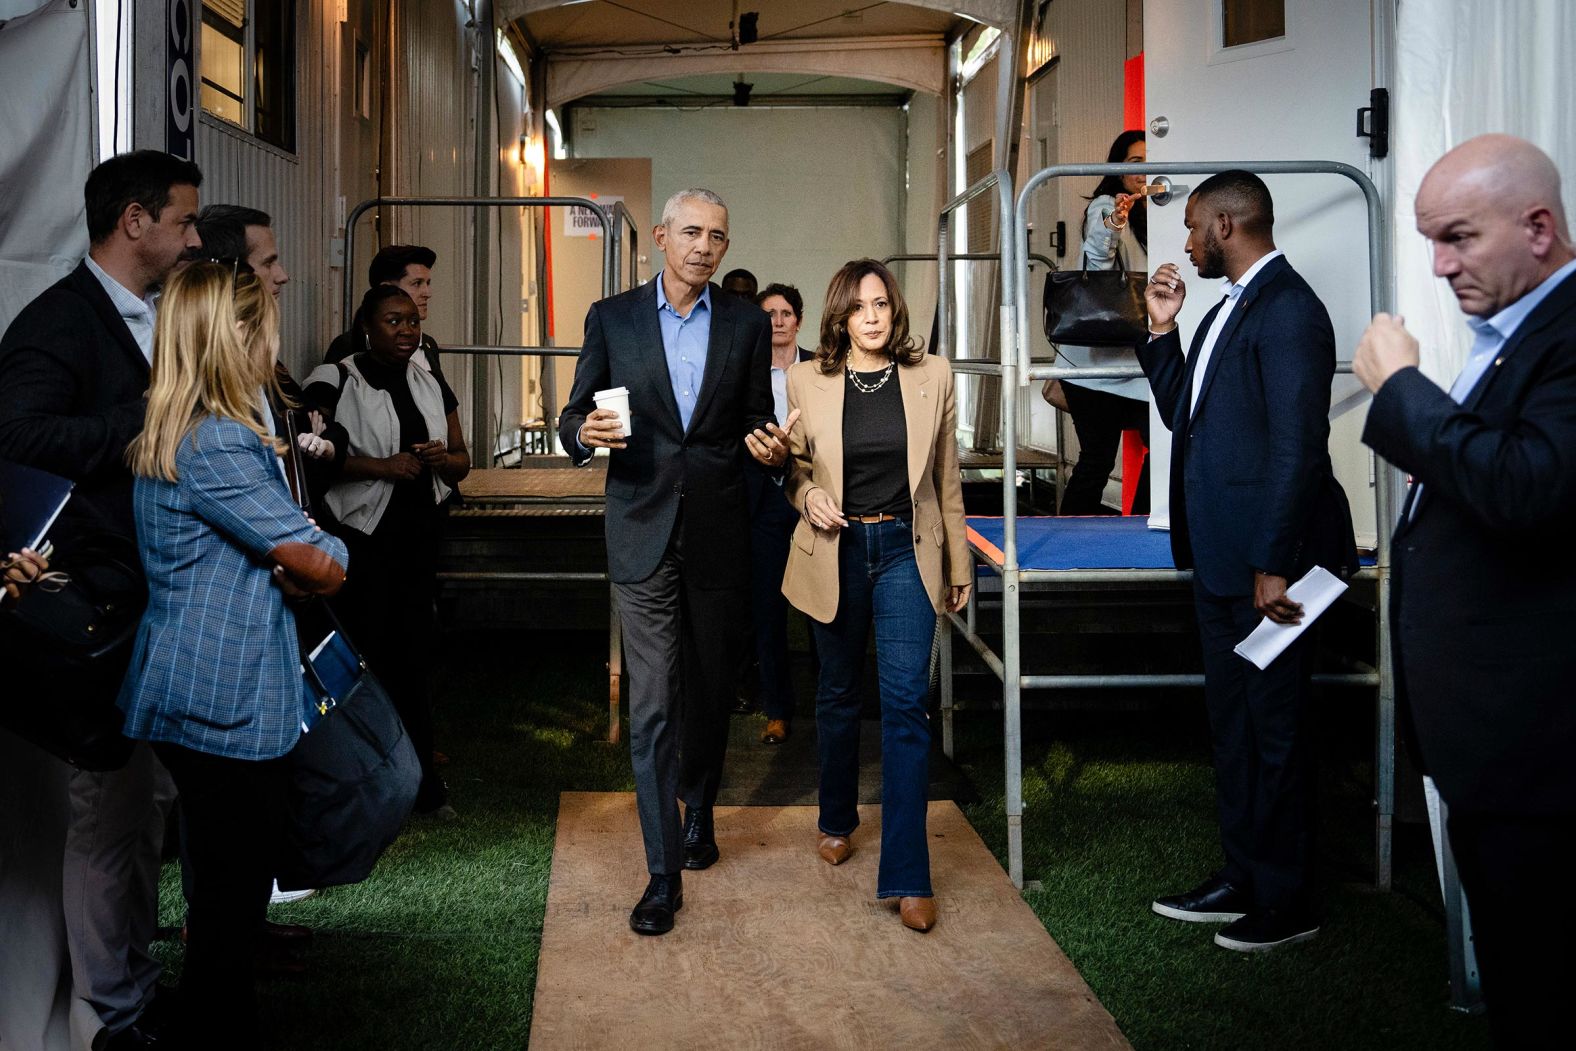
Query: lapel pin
x=1498 y=362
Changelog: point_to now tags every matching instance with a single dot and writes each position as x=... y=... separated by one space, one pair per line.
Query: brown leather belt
x=870 y=519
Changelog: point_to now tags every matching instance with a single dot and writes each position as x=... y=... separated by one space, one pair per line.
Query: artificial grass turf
x=438 y=949
x=1119 y=808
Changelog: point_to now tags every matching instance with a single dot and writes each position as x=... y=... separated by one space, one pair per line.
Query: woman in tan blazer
x=874 y=476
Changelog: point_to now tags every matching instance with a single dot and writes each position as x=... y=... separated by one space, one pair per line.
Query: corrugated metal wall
x=430 y=130
x=430 y=154
x=514 y=385
x=296 y=190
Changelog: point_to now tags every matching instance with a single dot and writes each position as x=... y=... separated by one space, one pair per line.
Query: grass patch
x=1119 y=808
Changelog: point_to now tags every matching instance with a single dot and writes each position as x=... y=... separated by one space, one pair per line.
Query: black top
x=411 y=509
x=875 y=448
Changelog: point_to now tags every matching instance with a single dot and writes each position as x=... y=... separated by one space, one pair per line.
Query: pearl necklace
x=864 y=388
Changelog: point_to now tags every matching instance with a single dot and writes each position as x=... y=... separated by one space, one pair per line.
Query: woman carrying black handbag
x=216 y=682
x=1116 y=237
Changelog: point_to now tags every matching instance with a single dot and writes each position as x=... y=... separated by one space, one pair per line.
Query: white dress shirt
x=1233 y=292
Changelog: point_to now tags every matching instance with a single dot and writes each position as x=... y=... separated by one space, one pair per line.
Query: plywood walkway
x=776 y=949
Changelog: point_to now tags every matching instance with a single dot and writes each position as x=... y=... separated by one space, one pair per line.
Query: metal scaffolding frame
x=613 y=222
x=1015 y=370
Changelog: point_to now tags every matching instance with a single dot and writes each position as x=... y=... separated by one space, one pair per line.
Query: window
x=248 y=66
x=1251 y=21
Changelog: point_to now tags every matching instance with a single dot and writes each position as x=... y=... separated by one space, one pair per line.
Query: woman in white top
x=406 y=453
x=1115 y=237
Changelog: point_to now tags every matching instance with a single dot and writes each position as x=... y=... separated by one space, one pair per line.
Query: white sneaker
x=279 y=897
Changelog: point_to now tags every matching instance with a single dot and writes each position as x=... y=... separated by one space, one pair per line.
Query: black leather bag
x=353 y=781
x=66 y=645
x=1096 y=308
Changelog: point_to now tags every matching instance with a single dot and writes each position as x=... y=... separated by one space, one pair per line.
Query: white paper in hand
x=1317 y=591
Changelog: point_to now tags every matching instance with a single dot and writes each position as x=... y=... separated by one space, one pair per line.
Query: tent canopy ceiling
x=676 y=89
x=595 y=45
x=678 y=22
x=555 y=24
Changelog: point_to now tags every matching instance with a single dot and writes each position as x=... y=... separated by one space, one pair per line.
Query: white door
x=1292 y=97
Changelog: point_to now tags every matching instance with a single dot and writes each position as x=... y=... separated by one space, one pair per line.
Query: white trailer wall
x=1293 y=98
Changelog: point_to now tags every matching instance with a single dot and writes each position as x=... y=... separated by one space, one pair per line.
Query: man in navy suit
x=1483 y=590
x=75 y=366
x=1254 y=505
x=697 y=365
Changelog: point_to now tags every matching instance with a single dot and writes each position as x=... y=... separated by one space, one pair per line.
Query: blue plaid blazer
x=217 y=667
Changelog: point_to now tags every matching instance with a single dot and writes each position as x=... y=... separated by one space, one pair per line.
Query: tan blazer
x=816 y=462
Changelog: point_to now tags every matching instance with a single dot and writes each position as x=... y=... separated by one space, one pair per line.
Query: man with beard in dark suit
x=1483 y=568
x=1254 y=506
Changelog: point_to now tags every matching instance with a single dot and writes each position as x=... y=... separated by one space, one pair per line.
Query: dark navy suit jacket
x=74 y=380
x=665 y=464
x=1252 y=487
x=1484 y=570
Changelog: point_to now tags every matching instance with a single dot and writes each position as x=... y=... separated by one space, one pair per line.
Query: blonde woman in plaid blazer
x=215 y=680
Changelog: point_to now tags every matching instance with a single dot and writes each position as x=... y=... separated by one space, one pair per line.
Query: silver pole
x=466 y=202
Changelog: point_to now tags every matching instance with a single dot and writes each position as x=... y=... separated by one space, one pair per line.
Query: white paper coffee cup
x=616 y=399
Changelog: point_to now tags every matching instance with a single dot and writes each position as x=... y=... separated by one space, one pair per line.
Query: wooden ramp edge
x=774 y=948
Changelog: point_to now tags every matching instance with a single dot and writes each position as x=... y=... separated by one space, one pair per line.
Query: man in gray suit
x=697 y=364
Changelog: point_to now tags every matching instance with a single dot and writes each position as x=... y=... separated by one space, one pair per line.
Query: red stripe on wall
x=1133 y=92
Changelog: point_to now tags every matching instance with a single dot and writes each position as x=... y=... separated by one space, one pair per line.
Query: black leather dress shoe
x=654 y=913
x=1213 y=901
x=700 y=839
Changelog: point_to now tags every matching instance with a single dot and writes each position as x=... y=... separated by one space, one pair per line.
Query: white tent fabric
x=1464 y=68
x=44 y=69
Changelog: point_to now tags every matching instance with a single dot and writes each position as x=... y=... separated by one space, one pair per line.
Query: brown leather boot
x=917 y=913
x=834 y=850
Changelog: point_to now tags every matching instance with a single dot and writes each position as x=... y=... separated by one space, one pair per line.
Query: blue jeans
x=879 y=579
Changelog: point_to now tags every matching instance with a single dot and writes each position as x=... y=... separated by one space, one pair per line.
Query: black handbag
x=67 y=644
x=353 y=776
x=1096 y=308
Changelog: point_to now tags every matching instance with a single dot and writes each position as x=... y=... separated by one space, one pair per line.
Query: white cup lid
x=611 y=393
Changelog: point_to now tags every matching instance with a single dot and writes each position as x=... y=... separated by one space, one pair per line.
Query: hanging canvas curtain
x=1464 y=68
x=46 y=150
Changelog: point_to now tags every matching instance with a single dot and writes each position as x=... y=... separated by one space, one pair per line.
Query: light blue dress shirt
x=1491 y=335
x=684 y=343
x=138 y=313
